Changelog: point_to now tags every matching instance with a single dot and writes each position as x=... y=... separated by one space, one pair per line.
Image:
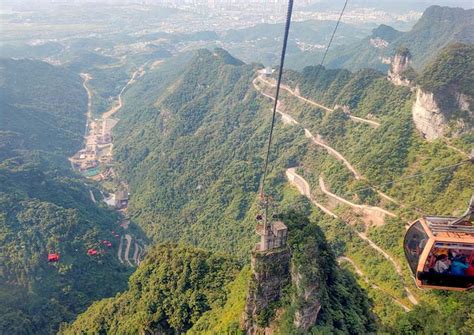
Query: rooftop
x=278 y=225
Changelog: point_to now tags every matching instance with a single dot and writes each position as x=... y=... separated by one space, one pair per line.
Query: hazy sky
x=329 y=3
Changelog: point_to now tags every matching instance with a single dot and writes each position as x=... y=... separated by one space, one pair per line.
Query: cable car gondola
x=440 y=251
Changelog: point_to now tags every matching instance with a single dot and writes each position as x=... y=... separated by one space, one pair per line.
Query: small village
x=95 y=161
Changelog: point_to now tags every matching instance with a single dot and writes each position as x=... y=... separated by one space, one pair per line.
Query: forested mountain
x=450 y=76
x=261 y=43
x=190 y=143
x=188 y=150
x=46 y=208
x=178 y=131
x=438 y=27
x=47 y=113
x=167 y=294
x=184 y=290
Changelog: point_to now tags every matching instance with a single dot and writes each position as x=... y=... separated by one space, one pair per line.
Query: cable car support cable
x=332 y=37
x=280 y=73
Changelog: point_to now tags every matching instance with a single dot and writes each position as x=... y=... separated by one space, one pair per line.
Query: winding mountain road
x=288 y=119
x=119 y=252
x=127 y=248
x=137 y=254
x=377 y=212
x=92 y=196
x=304 y=189
x=316 y=104
x=138 y=73
x=318 y=140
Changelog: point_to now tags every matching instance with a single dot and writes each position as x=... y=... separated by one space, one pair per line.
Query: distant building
x=121 y=199
x=268 y=71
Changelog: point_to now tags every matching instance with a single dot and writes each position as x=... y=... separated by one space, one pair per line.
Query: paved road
x=316 y=104
x=92 y=196
x=372 y=209
x=304 y=189
x=86 y=77
x=116 y=108
x=127 y=248
x=317 y=140
x=135 y=253
x=119 y=252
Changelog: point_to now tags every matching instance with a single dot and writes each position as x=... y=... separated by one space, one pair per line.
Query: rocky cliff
x=270 y=274
x=427 y=116
x=308 y=297
x=399 y=68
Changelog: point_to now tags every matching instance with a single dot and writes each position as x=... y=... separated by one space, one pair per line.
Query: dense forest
x=190 y=144
x=184 y=290
x=194 y=181
x=437 y=28
x=167 y=294
x=46 y=208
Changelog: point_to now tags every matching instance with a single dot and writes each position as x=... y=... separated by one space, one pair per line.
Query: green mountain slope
x=188 y=151
x=47 y=113
x=307 y=39
x=183 y=290
x=451 y=72
x=169 y=292
x=191 y=141
x=46 y=208
x=438 y=27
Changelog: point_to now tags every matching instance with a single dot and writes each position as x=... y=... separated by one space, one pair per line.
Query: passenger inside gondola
x=442 y=264
x=459 y=265
x=449 y=265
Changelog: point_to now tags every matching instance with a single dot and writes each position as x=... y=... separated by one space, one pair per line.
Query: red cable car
x=53 y=257
x=440 y=251
x=92 y=252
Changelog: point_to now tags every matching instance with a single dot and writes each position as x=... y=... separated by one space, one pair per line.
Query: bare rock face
x=462 y=101
x=270 y=274
x=399 y=64
x=427 y=116
x=309 y=303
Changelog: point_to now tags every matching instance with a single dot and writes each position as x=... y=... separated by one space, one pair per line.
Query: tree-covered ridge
x=192 y=151
x=437 y=28
x=345 y=308
x=451 y=73
x=190 y=144
x=179 y=289
x=46 y=208
x=43 y=106
x=168 y=294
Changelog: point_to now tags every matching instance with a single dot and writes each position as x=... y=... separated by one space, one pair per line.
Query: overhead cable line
x=280 y=73
x=332 y=37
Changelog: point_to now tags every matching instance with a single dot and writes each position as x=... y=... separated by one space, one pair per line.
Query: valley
x=95 y=161
x=132 y=146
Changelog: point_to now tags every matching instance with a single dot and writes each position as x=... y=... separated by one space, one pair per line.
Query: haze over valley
x=138 y=194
